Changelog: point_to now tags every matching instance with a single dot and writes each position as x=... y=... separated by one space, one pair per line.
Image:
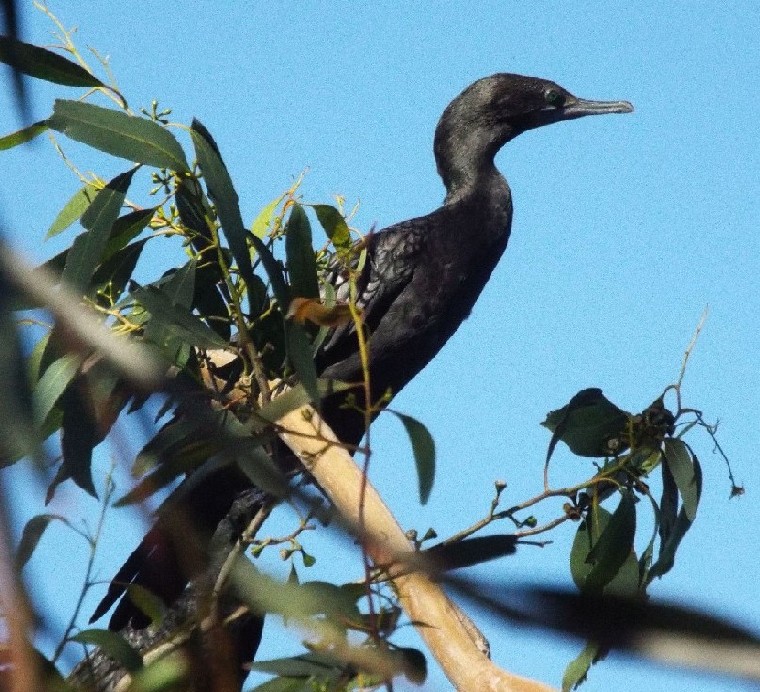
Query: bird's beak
x=577 y=108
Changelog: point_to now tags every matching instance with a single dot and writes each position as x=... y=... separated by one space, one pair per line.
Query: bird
x=419 y=282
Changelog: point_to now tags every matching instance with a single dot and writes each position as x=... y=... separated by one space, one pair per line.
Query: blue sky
x=625 y=228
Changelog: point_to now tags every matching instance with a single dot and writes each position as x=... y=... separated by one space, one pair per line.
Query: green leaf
x=299 y=253
x=44 y=64
x=87 y=250
x=149 y=604
x=679 y=462
x=119 y=134
x=111 y=277
x=52 y=384
x=301 y=355
x=335 y=226
x=423 y=448
x=263 y=221
x=274 y=271
x=174 y=321
x=223 y=194
x=114 y=645
x=577 y=669
x=26 y=134
x=602 y=546
x=296 y=397
x=30 y=537
x=669 y=541
x=589 y=424
x=72 y=210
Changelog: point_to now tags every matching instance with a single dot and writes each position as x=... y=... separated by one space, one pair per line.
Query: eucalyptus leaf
x=335 y=226
x=30 y=537
x=26 y=134
x=299 y=253
x=119 y=134
x=87 y=250
x=679 y=461
x=114 y=645
x=589 y=424
x=72 y=210
x=423 y=448
x=44 y=64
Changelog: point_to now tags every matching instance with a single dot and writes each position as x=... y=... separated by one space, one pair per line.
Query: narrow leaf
x=224 y=196
x=119 y=134
x=78 y=436
x=73 y=210
x=423 y=448
x=263 y=221
x=44 y=64
x=87 y=250
x=30 y=537
x=296 y=397
x=177 y=321
x=578 y=668
x=274 y=271
x=26 y=134
x=335 y=226
x=126 y=228
x=52 y=384
x=614 y=545
x=679 y=461
x=114 y=645
x=299 y=253
x=301 y=356
x=149 y=604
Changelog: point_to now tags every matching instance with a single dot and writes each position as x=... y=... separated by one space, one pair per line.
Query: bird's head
x=495 y=109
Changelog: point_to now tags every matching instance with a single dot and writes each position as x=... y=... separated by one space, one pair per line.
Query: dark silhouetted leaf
x=679 y=461
x=224 y=196
x=119 y=134
x=114 y=645
x=44 y=64
x=26 y=134
x=670 y=541
x=299 y=253
x=601 y=549
x=126 y=228
x=111 y=277
x=78 y=435
x=30 y=537
x=423 y=448
x=274 y=273
x=335 y=226
x=587 y=424
x=18 y=434
x=87 y=250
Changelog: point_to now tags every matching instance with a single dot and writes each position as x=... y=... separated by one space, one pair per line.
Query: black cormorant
x=420 y=280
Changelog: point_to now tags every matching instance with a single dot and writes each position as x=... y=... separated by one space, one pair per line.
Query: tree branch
x=452 y=638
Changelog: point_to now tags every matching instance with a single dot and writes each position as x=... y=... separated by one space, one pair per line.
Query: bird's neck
x=469 y=180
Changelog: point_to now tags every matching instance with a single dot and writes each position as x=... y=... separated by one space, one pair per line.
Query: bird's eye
x=554 y=97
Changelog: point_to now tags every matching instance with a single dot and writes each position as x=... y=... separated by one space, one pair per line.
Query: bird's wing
x=392 y=255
